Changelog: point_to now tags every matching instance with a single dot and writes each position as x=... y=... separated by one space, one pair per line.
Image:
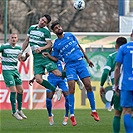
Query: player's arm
x=25 y=43
x=46 y=54
x=48 y=46
x=24 y=46
x=117 y=76
x=87 y=59
x=103 y=79
x=25 y=57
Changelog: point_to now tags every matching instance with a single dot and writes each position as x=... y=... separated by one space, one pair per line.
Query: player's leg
x=83 y=73
x=19 y=88
x=44 y=82
x=63 y=85
x=39 y=70
x=80 y=84
x=10 y=82
x=20 y=100
x=126 y=101
x=117 y=113
x=49 y=96
x=71 y=86
x=71 y=75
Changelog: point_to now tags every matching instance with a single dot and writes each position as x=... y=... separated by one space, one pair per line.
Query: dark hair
x=120 y=41
x=47 y=17
x=54 y=24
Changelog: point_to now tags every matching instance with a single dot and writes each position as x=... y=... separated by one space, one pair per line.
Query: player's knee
x=39 y=81
x=20 y=91
x=88 y=87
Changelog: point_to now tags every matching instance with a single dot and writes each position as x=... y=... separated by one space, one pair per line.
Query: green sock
x=63 y=74
x=13 y=101
x=19 y=99
x=116 y=124
x=47 y=85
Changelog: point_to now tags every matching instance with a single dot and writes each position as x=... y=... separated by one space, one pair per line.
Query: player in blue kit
x=67 y=47
x=124 y=71
x=62 y=84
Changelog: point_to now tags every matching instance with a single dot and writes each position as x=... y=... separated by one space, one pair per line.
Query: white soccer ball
x=79 y=4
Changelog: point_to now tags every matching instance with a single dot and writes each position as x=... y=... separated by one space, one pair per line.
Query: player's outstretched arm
x=46 y=54
x=87 y=59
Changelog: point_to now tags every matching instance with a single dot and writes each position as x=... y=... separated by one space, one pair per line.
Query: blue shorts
x=75 y=69
x=126 y=99
x=58 y=82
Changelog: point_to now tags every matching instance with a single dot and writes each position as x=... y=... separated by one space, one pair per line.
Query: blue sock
x=71 y=103
x=49 y=106
x=90 y=96
x=66 y=106
x=128 y=123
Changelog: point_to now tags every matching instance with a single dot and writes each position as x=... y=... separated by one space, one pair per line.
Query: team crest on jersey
x=99 y=62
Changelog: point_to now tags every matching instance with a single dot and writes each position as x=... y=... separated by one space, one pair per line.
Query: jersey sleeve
x=75 y=39
x=1 y=48
x=47 y=35
x=106 y=70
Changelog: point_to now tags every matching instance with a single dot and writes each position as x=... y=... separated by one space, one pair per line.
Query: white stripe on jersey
x=37 y=33
x=7 y=59
x=5 y=67
x=12 y=51
x=36 y=41
x=112 y=75
x=107 y=67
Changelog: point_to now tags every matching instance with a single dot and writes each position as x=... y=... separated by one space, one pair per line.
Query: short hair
x=54 y=24
x=48 y=17
x=120 y=41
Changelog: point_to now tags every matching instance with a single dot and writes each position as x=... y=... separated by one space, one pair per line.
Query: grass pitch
x=37 y=122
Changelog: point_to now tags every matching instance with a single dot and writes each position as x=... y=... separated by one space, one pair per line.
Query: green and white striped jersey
x=38 y=36
x=9 y=56
x=110 y=65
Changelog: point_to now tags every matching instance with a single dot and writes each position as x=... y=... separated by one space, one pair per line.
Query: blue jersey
x=67 y=48
x=125 y=57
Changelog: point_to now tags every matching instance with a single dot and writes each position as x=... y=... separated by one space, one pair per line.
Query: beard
x=60 y=32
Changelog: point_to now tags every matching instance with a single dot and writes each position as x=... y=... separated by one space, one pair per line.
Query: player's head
x=44 y=20
x=120 y=41
x=57 y=29
x=13 y=39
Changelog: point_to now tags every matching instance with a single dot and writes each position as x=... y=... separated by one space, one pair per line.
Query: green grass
x=37 y=122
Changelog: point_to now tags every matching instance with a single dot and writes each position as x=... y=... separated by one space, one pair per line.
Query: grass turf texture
x=37 y=122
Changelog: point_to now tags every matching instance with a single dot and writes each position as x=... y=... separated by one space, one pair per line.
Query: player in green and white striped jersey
x=10 y=52
x=109 y=70
x=39 y=38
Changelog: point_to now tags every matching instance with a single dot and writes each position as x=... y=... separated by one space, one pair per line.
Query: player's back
x=125 y=57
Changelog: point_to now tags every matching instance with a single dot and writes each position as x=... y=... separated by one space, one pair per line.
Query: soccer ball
x=79 y=4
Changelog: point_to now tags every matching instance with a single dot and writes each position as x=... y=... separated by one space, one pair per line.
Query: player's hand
x=38 y=50
x=102 y=91
x=27 y=55
x=90 y=63
x=20 y=57
x=117 y=91
x=45 y=54
x=31 y=82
